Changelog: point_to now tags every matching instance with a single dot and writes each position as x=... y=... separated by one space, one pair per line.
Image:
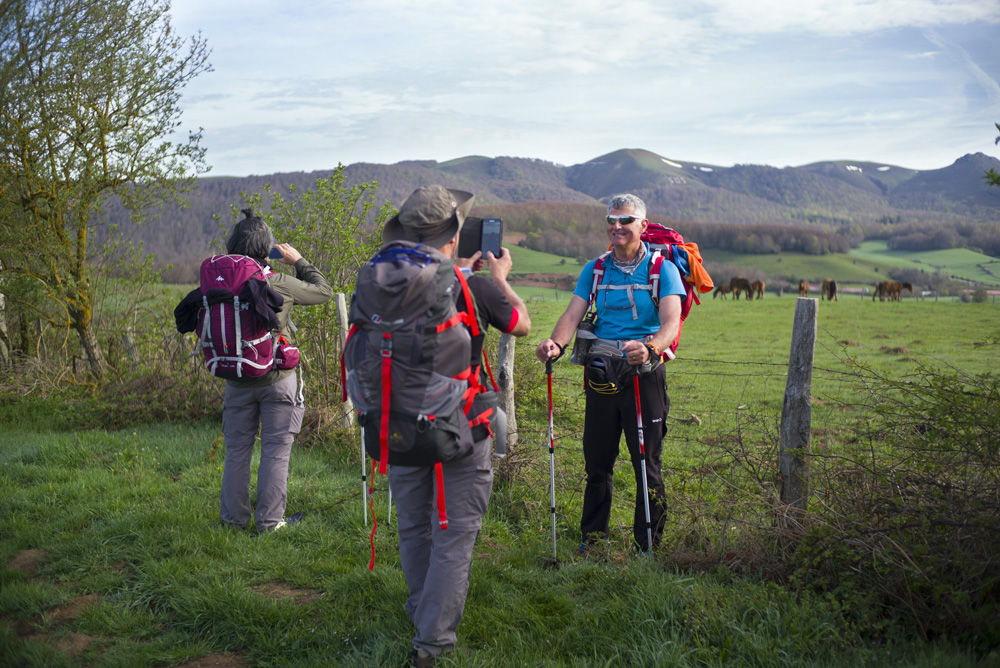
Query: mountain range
x=834 y=193
x=839 y=190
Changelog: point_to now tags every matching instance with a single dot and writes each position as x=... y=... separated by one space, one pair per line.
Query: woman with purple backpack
x=272 y=403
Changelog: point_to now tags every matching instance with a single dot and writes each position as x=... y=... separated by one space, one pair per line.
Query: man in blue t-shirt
x=632 y=331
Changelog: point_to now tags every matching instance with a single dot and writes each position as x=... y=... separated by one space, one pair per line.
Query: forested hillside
x=745 y=208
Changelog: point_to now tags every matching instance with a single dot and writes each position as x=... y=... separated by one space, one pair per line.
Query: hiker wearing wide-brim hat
x=432 y=215
x=436 y=539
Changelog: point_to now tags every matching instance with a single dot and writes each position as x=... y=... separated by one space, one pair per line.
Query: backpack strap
x=471 y=317
x=598 y=275
x=655 y=264
x=383 y=436
x=439 y=480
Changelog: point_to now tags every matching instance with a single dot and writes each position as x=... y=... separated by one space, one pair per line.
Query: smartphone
x=275 y=254
x=492 y=236
x=470 y=238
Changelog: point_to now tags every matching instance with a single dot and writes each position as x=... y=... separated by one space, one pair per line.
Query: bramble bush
x=904 y=515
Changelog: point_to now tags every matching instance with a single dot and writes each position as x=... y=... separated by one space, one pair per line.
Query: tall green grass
x=130 y=517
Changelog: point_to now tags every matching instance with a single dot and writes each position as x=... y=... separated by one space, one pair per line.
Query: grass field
x=114 y=555
x=732 y=365
x=959 y=263
x=863 y=266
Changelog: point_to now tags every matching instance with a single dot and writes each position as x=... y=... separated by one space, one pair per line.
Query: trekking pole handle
x=552 y=360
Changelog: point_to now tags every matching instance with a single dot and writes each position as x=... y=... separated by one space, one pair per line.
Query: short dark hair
x=251 y=237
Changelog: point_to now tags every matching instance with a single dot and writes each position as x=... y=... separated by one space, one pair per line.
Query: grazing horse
x=880 y=290
x=739 y=284
x=758 y=288
x=828 y=290
x=803 y=288
x=722 y=289
x=894 y=289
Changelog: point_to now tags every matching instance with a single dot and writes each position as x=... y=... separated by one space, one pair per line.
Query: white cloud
x=714 y=81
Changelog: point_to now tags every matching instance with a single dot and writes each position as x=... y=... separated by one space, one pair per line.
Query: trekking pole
x=552 y=453
x=642 y=455
x=364 y=478
x=388 y=511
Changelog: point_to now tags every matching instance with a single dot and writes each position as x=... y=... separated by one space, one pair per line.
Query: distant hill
x=834 y=193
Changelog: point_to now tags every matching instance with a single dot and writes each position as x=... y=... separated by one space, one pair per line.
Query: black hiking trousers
x=607 y=416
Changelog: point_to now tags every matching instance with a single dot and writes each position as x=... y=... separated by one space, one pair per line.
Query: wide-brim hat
x=432 y=215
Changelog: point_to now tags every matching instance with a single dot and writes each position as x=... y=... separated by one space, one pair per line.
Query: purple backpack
x=234 y=322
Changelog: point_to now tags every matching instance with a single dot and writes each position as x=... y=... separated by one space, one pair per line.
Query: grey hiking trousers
x=277 y=410
x=437 y=562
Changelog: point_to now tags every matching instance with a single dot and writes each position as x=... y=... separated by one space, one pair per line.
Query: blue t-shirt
x=614 y=310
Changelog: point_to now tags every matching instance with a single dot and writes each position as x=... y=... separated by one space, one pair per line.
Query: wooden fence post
x=505 y=380
x=796 y=411
x=342 y=313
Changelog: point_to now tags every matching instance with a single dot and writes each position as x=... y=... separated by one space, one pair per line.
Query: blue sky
x=302 y=86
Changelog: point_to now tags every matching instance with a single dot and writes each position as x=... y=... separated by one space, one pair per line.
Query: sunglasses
x=624 y=219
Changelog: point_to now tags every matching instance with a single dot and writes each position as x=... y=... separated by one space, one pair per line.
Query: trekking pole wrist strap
x=653 y=351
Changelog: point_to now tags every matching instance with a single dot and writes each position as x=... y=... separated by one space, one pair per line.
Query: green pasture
x=960 y=263
x=792 y=267
x=527 y=261
x=112 y=546
x=731 y=371
x=863 y=266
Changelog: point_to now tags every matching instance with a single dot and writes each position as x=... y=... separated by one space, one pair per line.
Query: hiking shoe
x=595 y=549
x=421 y=658
x=285 y=522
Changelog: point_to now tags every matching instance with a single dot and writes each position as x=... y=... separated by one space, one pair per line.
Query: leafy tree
x=89 y=95
x=328 y=224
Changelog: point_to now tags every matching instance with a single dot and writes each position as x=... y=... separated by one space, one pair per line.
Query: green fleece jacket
x=308 y=287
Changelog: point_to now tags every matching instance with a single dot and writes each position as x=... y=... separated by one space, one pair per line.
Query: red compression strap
x=486 y=363
x=470 y=307
x=457 y=319
x=383 y=434
x=442 y=514
x=371 y=504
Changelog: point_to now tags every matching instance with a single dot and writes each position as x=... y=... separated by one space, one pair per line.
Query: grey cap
x=432 y=215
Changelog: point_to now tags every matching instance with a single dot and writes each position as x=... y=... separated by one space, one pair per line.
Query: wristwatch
x=653 y=352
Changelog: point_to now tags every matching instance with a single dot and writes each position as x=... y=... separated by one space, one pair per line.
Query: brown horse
x=739 y=284
x=722 y=289
x=894 y=289
x=828 y=290
x=880 y=291
x=803 y=288
x=758 y=288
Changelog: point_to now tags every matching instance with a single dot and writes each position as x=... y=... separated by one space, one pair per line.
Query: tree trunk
x=95 y=356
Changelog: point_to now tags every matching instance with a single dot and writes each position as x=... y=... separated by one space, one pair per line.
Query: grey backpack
x=407 y=357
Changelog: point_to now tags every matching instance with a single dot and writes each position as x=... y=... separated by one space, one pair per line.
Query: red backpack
x=666 y=243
